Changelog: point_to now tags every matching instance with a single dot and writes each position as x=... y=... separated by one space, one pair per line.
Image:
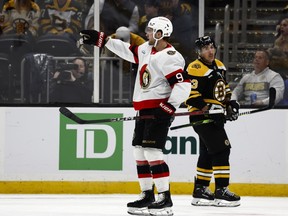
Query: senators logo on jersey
x=145 y=77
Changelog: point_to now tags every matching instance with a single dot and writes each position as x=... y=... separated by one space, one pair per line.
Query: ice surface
x=115 y=204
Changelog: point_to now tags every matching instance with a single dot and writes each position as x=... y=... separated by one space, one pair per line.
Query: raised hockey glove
x=92 y=37
x=232 y=110
x=165 y=111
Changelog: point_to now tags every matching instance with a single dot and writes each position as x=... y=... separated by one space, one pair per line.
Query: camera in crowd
x=65 y=71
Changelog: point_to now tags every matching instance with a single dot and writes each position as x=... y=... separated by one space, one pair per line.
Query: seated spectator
x=62 y=17
x=185 y=26
x=20 y=23
x=21 y=17
x=60 y=24
x=70 y=84
x=151 y=10
x=113 y=14
x=279 y=63
x=253 y=88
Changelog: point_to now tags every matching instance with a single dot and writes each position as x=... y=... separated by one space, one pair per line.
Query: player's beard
x=151 y=42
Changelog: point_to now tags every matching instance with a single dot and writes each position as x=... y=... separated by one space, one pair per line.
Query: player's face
x=208 y=53
x=149 y=35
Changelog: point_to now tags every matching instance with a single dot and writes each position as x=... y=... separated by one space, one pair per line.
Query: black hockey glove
x=232 y=110
x=165 y=111
x=92 y=37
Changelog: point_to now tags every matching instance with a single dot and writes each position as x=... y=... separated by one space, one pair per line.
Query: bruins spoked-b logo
x=145 y=77
x=220 y=91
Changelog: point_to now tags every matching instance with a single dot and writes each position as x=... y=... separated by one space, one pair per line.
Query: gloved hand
x=165 y=111
x=92 y=37
x=232 y=110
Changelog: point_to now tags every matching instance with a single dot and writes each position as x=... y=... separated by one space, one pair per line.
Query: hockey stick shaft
x=66 y=112
x=272 y=97
x=205 y=121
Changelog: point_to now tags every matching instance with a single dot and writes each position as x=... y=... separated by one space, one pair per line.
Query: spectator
x=185 y=26
x=278 y=61
x=151 y=9
x=61 y=21
x=281 y=41
x=253 y=88
x=89 y=20
x=113 y=14
x=70 y=83
x=62 y=17
x=20 y=25
x=21 y=17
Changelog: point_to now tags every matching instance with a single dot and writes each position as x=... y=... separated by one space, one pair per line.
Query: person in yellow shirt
x=21 y=17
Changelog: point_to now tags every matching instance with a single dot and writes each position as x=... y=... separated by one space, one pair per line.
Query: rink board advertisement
x=39 y=144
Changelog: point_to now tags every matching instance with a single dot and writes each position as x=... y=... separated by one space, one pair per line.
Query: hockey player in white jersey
x=160 y=88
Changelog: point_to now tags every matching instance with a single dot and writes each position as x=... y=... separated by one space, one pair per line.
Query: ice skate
x=162 y=206
x=225 y=198
x=202 y=196
x=139 y=207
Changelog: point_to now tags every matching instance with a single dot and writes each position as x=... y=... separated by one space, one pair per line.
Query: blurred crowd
x=52 y=27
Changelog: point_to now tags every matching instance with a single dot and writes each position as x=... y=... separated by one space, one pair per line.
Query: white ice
x=115 y=204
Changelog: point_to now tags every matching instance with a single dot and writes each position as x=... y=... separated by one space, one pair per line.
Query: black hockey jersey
x=208 y=85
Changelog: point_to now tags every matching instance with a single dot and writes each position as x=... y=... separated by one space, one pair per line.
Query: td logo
x=91 y=146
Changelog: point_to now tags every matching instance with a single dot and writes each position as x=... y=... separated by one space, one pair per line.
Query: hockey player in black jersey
x=160 y=88
x=209 y=91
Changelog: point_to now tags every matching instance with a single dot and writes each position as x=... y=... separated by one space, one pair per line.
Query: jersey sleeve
x=177 y=79
x=123 y=50
x=195 y=98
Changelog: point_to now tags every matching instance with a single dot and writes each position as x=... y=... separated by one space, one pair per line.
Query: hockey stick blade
x=66 y=112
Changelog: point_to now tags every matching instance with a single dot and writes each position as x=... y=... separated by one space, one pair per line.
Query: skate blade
x=138 y=211
x=225 y=203
x=161 y=212
x=202 y=202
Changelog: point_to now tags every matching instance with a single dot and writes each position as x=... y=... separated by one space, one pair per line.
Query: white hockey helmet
x=161 y=24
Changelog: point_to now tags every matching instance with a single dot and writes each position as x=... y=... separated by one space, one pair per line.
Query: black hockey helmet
x=203 y=41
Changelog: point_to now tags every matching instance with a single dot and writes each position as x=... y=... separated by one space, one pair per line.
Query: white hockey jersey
x=160 y=76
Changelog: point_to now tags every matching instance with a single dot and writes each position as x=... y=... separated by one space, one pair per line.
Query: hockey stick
x=66 y=112
x=205 y=121
x=272 y=97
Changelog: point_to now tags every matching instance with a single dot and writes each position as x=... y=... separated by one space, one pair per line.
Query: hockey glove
x=233 y=110
x=165 y=111
x=92 y=37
